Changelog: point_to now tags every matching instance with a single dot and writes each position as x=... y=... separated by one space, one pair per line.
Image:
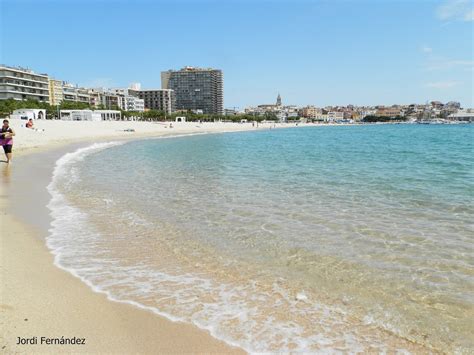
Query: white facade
x=23 y=84
x=321 y=117
x=109 y=115
x=335 y=116
x=136 y=86
x=27 y=113
x=463 y=115
x=133 y=103
x=79 y=115
x=366 y=113
x=75 y=94
x=127 y=101
x=89 y=115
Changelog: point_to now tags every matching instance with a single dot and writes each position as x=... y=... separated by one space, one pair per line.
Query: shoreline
x=39 y=299
x=31 y=277
x=56 y=134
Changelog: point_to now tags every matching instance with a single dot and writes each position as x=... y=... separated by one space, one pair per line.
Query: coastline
x=54 y=302
x=39 y=299
x=54 y=134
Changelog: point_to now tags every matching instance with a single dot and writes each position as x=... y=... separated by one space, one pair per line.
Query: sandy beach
x=48 y=133
x=40 y=300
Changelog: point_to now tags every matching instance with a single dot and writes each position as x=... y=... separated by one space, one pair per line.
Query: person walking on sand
x=6 y=140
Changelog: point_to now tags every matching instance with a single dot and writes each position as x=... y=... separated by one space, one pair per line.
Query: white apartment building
x=128 y=100
x=134 y=104
x=23 y=84
x=75 y=94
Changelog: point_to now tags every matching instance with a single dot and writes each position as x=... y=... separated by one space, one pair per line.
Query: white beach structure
x=466 y=115
x=27 y=113
x=90 y=115
x=109 y=115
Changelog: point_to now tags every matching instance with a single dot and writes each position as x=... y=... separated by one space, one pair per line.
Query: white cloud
x=441 y=63
x=426 y=49
x=442 y=84
x=455 y=10
x=469 y=16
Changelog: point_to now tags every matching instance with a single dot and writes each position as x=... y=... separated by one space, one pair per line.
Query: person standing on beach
x=6 y=139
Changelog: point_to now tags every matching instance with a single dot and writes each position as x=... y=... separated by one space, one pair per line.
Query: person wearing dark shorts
x=6 y=139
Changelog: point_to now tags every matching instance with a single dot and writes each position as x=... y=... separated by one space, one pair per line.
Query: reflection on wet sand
x=6 y=172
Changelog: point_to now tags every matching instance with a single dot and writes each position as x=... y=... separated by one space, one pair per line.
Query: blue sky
x=312 y=52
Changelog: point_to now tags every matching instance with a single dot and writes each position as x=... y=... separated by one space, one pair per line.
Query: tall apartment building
x=23 y=84
x=158 y=99
x=55 y=92
x=196 y=89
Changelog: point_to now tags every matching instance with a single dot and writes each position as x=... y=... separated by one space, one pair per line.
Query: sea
x=306 y=239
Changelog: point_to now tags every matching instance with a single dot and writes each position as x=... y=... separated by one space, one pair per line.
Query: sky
x=339 y=52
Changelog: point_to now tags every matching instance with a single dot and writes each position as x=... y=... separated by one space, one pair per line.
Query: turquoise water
x=304 y=239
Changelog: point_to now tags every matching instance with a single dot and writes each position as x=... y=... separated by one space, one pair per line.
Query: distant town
x=192 y=94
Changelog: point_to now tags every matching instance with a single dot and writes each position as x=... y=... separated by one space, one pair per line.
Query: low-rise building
x=391 y=112
x=230 y=112
x=28 y=113
x=90 y=115
x=109 y=115
x=466 y=115
x=321 y=117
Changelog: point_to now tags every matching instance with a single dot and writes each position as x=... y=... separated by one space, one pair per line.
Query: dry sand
x=38 y=299
x=47 y=133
